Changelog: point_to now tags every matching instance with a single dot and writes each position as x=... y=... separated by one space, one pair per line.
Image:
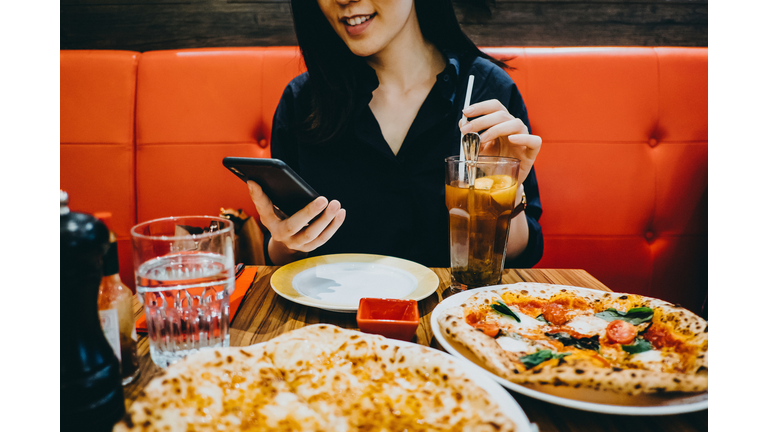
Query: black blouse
x=396 y=203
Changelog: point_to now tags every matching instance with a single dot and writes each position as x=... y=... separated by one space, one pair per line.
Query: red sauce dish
x=392 y=318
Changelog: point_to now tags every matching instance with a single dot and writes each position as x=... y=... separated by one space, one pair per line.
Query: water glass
x=185 y=273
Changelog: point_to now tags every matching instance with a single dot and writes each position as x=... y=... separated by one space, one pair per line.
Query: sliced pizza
x=532 y=333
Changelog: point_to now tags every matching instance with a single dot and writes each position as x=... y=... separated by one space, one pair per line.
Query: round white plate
x=582 y=399
x=338 y=282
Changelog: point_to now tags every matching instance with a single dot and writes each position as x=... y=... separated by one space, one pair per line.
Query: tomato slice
x=621 y=332
x=554 y=313
x=472 y=317
x=489 y=329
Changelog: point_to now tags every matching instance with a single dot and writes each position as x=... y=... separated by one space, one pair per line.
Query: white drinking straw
x=467 y=97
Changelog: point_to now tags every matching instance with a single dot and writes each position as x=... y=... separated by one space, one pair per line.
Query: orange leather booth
x=622 y=172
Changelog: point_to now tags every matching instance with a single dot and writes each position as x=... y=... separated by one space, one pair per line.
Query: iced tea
x=479 y=227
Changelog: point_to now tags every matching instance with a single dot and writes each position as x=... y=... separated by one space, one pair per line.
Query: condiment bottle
x=91 y=394
x=116 y=309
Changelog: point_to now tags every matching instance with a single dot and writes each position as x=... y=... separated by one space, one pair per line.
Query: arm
x=507 y=135
x=528 y=221
x=291 y=239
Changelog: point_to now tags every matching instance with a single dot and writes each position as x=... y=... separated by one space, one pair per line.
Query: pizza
x=531 y=333
x=317 y=378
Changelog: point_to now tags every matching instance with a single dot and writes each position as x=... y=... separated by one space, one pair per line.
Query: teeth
x=357 y=20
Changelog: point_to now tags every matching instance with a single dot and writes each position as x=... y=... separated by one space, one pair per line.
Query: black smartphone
x=288 y=192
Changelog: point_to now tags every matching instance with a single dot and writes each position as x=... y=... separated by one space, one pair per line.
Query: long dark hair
x=335 y=72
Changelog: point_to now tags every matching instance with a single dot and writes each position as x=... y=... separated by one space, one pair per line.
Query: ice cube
x=501 y=181
x=484 y=183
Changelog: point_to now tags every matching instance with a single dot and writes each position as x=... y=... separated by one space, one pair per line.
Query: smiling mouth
x=356 y=21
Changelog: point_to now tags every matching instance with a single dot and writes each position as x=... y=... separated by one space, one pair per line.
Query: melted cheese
x=655 y=360
x=514 y=345
x=527 y=325
x=647 y=357
x=588 y=325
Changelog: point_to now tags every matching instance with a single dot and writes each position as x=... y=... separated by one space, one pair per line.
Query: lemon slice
x=484 y=183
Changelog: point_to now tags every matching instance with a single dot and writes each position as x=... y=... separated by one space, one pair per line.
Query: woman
x=371 y=123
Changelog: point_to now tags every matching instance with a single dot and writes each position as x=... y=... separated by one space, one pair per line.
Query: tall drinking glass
x=185 y=272
x=479 y=218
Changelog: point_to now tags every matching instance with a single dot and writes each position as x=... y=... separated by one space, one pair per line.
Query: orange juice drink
x=479 y=219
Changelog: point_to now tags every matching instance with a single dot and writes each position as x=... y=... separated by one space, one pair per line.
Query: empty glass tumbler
x=185 y=272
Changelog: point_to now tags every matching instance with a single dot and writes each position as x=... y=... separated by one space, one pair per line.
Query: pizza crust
x=573 y=371
x=484 y=347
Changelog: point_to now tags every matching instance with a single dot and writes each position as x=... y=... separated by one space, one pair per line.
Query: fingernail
x=320 y=202
x=468 y=110
x=466 y=128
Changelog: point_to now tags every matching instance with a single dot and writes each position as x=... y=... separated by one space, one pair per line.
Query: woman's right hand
x=294 y=237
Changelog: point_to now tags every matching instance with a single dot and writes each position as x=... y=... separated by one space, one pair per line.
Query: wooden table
x=264 y=315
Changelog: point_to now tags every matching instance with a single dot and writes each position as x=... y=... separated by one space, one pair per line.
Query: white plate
x=582 y=399
x=338 y=282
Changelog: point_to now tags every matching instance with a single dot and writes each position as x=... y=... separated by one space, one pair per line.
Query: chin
x=363 y=49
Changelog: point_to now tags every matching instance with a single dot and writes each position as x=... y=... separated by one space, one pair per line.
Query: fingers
x=490 y=148
x=314 y=235
x=291 y=225
x=523 y=147
x=502 y=129
x=263 y=205
x=503 y=134
x=532 y=143
x=495 y=125
x=492 y=117
x=296 y=233
x=327 y=232
x=483 y=108
x=312 y=231
x=301 y=218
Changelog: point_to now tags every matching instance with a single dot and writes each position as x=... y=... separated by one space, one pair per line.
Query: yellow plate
x=338 y=282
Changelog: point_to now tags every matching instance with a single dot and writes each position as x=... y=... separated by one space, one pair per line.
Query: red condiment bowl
x=392 y=318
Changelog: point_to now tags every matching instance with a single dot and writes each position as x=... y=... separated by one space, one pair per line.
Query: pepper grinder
x=90 y=387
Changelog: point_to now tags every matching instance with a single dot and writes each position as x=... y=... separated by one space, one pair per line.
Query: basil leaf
x=542 y=319
x=504 y=310
x=638 y=346
x=633 y=316
x=588 y=343
x=539 y=357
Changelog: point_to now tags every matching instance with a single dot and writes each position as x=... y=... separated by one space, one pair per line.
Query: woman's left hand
x=504 y=134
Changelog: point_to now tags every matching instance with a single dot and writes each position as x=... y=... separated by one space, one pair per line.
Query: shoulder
x=493 y=82
x=488 y=74
x=298 y=87
x=295 y=98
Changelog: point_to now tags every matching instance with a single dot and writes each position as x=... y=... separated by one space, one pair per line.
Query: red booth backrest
x=195 y=107
x=623 y=169
x=98 y=100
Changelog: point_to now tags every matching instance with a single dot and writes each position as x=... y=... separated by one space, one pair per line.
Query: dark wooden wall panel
x=144 y=25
